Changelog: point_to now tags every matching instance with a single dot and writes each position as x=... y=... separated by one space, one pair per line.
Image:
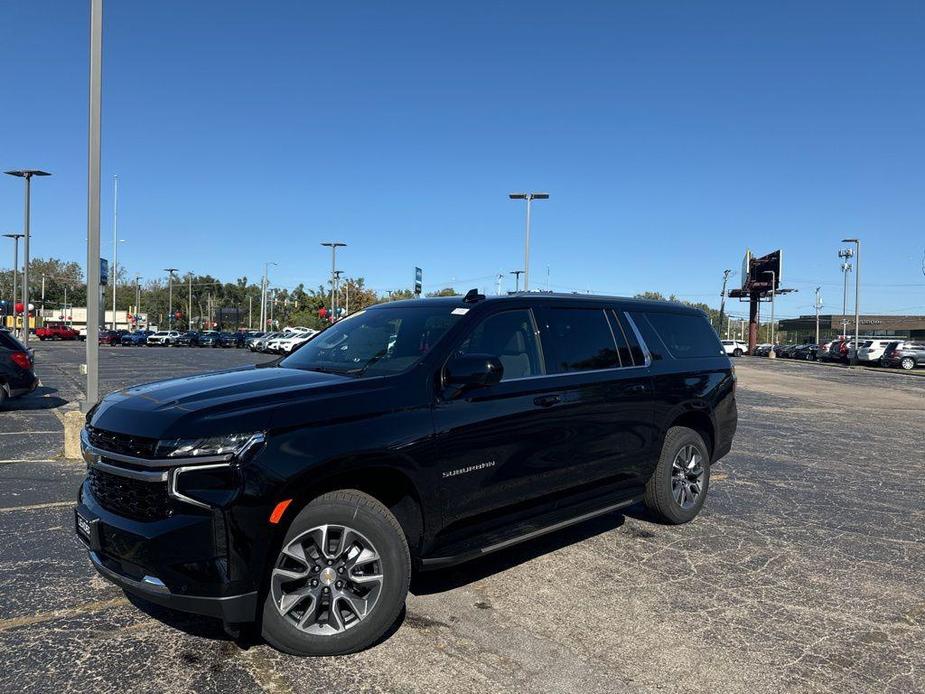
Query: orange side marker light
x=279 y=510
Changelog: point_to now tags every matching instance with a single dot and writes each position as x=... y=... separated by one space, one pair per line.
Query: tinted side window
x=577 y=339
x=510 y=337
x=652 y=340
x=685 y=335
x=10 y=342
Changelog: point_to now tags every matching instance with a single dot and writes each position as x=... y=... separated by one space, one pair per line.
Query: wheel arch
x=700 y=421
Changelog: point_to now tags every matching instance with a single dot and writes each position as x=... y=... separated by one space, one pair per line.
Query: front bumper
x=160 y=545
x=232 y=609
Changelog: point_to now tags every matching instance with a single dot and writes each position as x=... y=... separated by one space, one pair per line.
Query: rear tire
x=296 y=617
x=737 y=353
x=678 y=487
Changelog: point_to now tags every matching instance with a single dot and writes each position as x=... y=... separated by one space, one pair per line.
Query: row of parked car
x=883 y=351
x=283 y=342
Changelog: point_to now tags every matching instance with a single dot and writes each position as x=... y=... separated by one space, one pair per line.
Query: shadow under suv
x=301 y=494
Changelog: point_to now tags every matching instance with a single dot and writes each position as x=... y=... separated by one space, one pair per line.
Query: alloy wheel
x=687 y=473
x=327 y=580
x=907 y=363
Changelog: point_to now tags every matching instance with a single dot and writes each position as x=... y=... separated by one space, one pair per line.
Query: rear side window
x=10 y=342
x=576 y=339
x=686 y=336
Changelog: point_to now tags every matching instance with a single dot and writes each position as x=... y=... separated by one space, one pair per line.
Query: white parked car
x=163 y=337
x=872 y=349
x=734 y=348
x=286 y=342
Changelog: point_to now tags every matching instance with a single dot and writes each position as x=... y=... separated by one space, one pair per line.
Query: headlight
x=212 y=445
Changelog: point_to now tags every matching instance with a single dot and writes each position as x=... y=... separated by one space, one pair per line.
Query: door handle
x=547 y=400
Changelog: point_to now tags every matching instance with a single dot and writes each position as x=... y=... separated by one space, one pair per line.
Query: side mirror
x=473 y=371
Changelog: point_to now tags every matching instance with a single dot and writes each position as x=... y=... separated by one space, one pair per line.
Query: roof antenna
x=472 y=296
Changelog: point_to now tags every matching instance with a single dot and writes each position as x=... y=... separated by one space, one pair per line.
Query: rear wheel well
x=699 y=422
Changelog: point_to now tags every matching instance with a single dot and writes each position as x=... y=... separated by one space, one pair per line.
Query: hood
x=235 y=401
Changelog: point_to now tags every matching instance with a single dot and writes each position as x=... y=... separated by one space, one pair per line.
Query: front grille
x=122 y=443
x=143 y=501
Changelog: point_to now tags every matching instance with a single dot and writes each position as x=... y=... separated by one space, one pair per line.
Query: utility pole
x=137 y=298
x=547 y=278
x=517 y=274
x=170 y=271
x=189 y=315
x=333 y=245
x=15 y=238
x=498 y=284
x=857 y=298
x=818 y=306
x=250 y=312
x=722 y=297
x=337 y=274
x=845 y=254
x=529 y=197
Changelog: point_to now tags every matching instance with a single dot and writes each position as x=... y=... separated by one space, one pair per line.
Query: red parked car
x=56 y=331
x=110 y=337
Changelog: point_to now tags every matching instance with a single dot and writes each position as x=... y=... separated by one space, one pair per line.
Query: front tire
x=737 y=353
x=907 y=363
x=340 y=579
x=678 y=487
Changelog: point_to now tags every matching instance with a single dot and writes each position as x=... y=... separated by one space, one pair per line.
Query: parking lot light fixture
x=857 y=297
x=529 y=197
x=26 y=174
x=333 y=245
x=15 y=238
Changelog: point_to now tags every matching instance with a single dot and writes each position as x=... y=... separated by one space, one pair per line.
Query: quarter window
x=511 y=338
x=686 y=335
x=578 y=340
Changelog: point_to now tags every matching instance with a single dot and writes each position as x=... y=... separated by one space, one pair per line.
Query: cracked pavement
x=805 y=572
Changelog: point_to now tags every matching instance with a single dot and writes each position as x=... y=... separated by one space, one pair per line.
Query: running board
x=452 y=560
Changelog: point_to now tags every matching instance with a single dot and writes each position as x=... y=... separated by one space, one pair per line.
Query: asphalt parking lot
x=806 y=572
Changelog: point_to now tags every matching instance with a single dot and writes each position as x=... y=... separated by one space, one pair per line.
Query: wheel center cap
x=328 y=576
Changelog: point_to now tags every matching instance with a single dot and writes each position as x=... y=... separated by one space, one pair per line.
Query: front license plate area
x=87 y=528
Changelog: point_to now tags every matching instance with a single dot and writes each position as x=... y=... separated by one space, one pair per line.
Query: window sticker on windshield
x=459 y=311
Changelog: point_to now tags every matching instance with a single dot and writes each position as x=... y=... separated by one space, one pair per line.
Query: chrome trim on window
x=642 y=343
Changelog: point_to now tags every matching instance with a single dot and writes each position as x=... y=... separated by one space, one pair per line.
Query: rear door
x=606 y=395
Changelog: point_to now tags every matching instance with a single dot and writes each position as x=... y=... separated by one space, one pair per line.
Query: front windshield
x=379 y=342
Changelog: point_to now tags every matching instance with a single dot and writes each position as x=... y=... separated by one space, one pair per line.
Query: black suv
x=302 y=493
x=16 y=374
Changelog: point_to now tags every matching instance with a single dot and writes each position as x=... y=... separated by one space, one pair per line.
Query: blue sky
x=670 y=135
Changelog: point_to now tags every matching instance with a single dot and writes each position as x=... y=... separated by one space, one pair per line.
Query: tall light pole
x=15 y=238
x=114 y=272
x=93 y=204
x=170 y=271
x=189 y=311
x=722 y=298
x=818 y=306
x=333 y=245
x=263 y=293
x=137 y=297
x=517 y=274
x=27 y=175
x=857 y=297
x=529 y=197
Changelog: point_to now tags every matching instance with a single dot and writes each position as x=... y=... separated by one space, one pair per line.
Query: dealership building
x=803 y=329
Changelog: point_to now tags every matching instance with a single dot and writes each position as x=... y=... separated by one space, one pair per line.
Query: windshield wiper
x=376 y=357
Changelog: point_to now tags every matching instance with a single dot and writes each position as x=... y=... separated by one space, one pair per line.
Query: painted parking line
x=78 y=611
x=31 y=433
x=37 y=507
